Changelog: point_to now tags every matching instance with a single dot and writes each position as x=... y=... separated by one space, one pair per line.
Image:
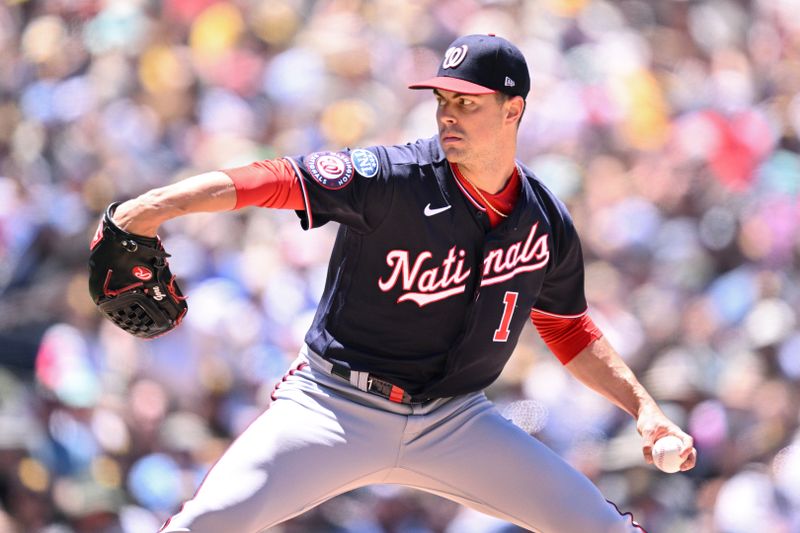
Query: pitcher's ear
x=515 y=109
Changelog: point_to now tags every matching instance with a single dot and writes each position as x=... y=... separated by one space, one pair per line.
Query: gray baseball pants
x=322 y=437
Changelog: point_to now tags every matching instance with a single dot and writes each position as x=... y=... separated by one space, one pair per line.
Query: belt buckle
x=390 y=391
x=376 y=385
x=387 y=390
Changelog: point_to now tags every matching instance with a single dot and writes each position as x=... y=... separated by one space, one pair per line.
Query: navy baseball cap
x=481 y=64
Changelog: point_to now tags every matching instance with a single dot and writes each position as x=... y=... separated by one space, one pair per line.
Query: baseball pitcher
x=446 y=247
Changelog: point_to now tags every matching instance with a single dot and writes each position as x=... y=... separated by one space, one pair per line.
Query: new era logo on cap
x=481 y=64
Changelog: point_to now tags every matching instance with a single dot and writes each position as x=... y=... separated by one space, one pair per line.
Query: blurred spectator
x=670 y=128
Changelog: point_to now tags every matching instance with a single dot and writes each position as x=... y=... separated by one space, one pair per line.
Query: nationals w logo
x=454 y=56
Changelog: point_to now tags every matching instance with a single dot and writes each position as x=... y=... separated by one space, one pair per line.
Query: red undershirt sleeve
x=270 y=183
x=565 y=336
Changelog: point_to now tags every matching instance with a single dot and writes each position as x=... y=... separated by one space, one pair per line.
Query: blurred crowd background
x=669 y=127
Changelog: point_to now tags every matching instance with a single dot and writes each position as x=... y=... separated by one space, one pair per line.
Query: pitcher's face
x=469 y=125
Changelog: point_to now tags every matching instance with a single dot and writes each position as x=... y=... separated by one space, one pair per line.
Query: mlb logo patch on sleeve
x=332 y=170
x=365 y=162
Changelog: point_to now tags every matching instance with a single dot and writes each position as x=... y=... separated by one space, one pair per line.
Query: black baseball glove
x=130 y=281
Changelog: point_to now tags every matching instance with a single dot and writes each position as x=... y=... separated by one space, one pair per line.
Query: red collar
x=504 y=201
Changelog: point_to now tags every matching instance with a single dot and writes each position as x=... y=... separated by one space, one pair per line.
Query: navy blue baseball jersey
x=420 y=289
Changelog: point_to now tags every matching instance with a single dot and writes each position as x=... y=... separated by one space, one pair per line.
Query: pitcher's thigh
x=293 y=457
x=488 y=463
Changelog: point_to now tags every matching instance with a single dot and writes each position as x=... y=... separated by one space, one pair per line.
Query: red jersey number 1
x=509 y=303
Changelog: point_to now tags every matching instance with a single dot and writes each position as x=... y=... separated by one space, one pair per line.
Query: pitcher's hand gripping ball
x=130 y=281
x=667 y=454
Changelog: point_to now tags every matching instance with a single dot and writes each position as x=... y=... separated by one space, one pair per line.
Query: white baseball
x=667 y=454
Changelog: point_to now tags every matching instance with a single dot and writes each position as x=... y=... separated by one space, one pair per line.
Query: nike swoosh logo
x=430 y=212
